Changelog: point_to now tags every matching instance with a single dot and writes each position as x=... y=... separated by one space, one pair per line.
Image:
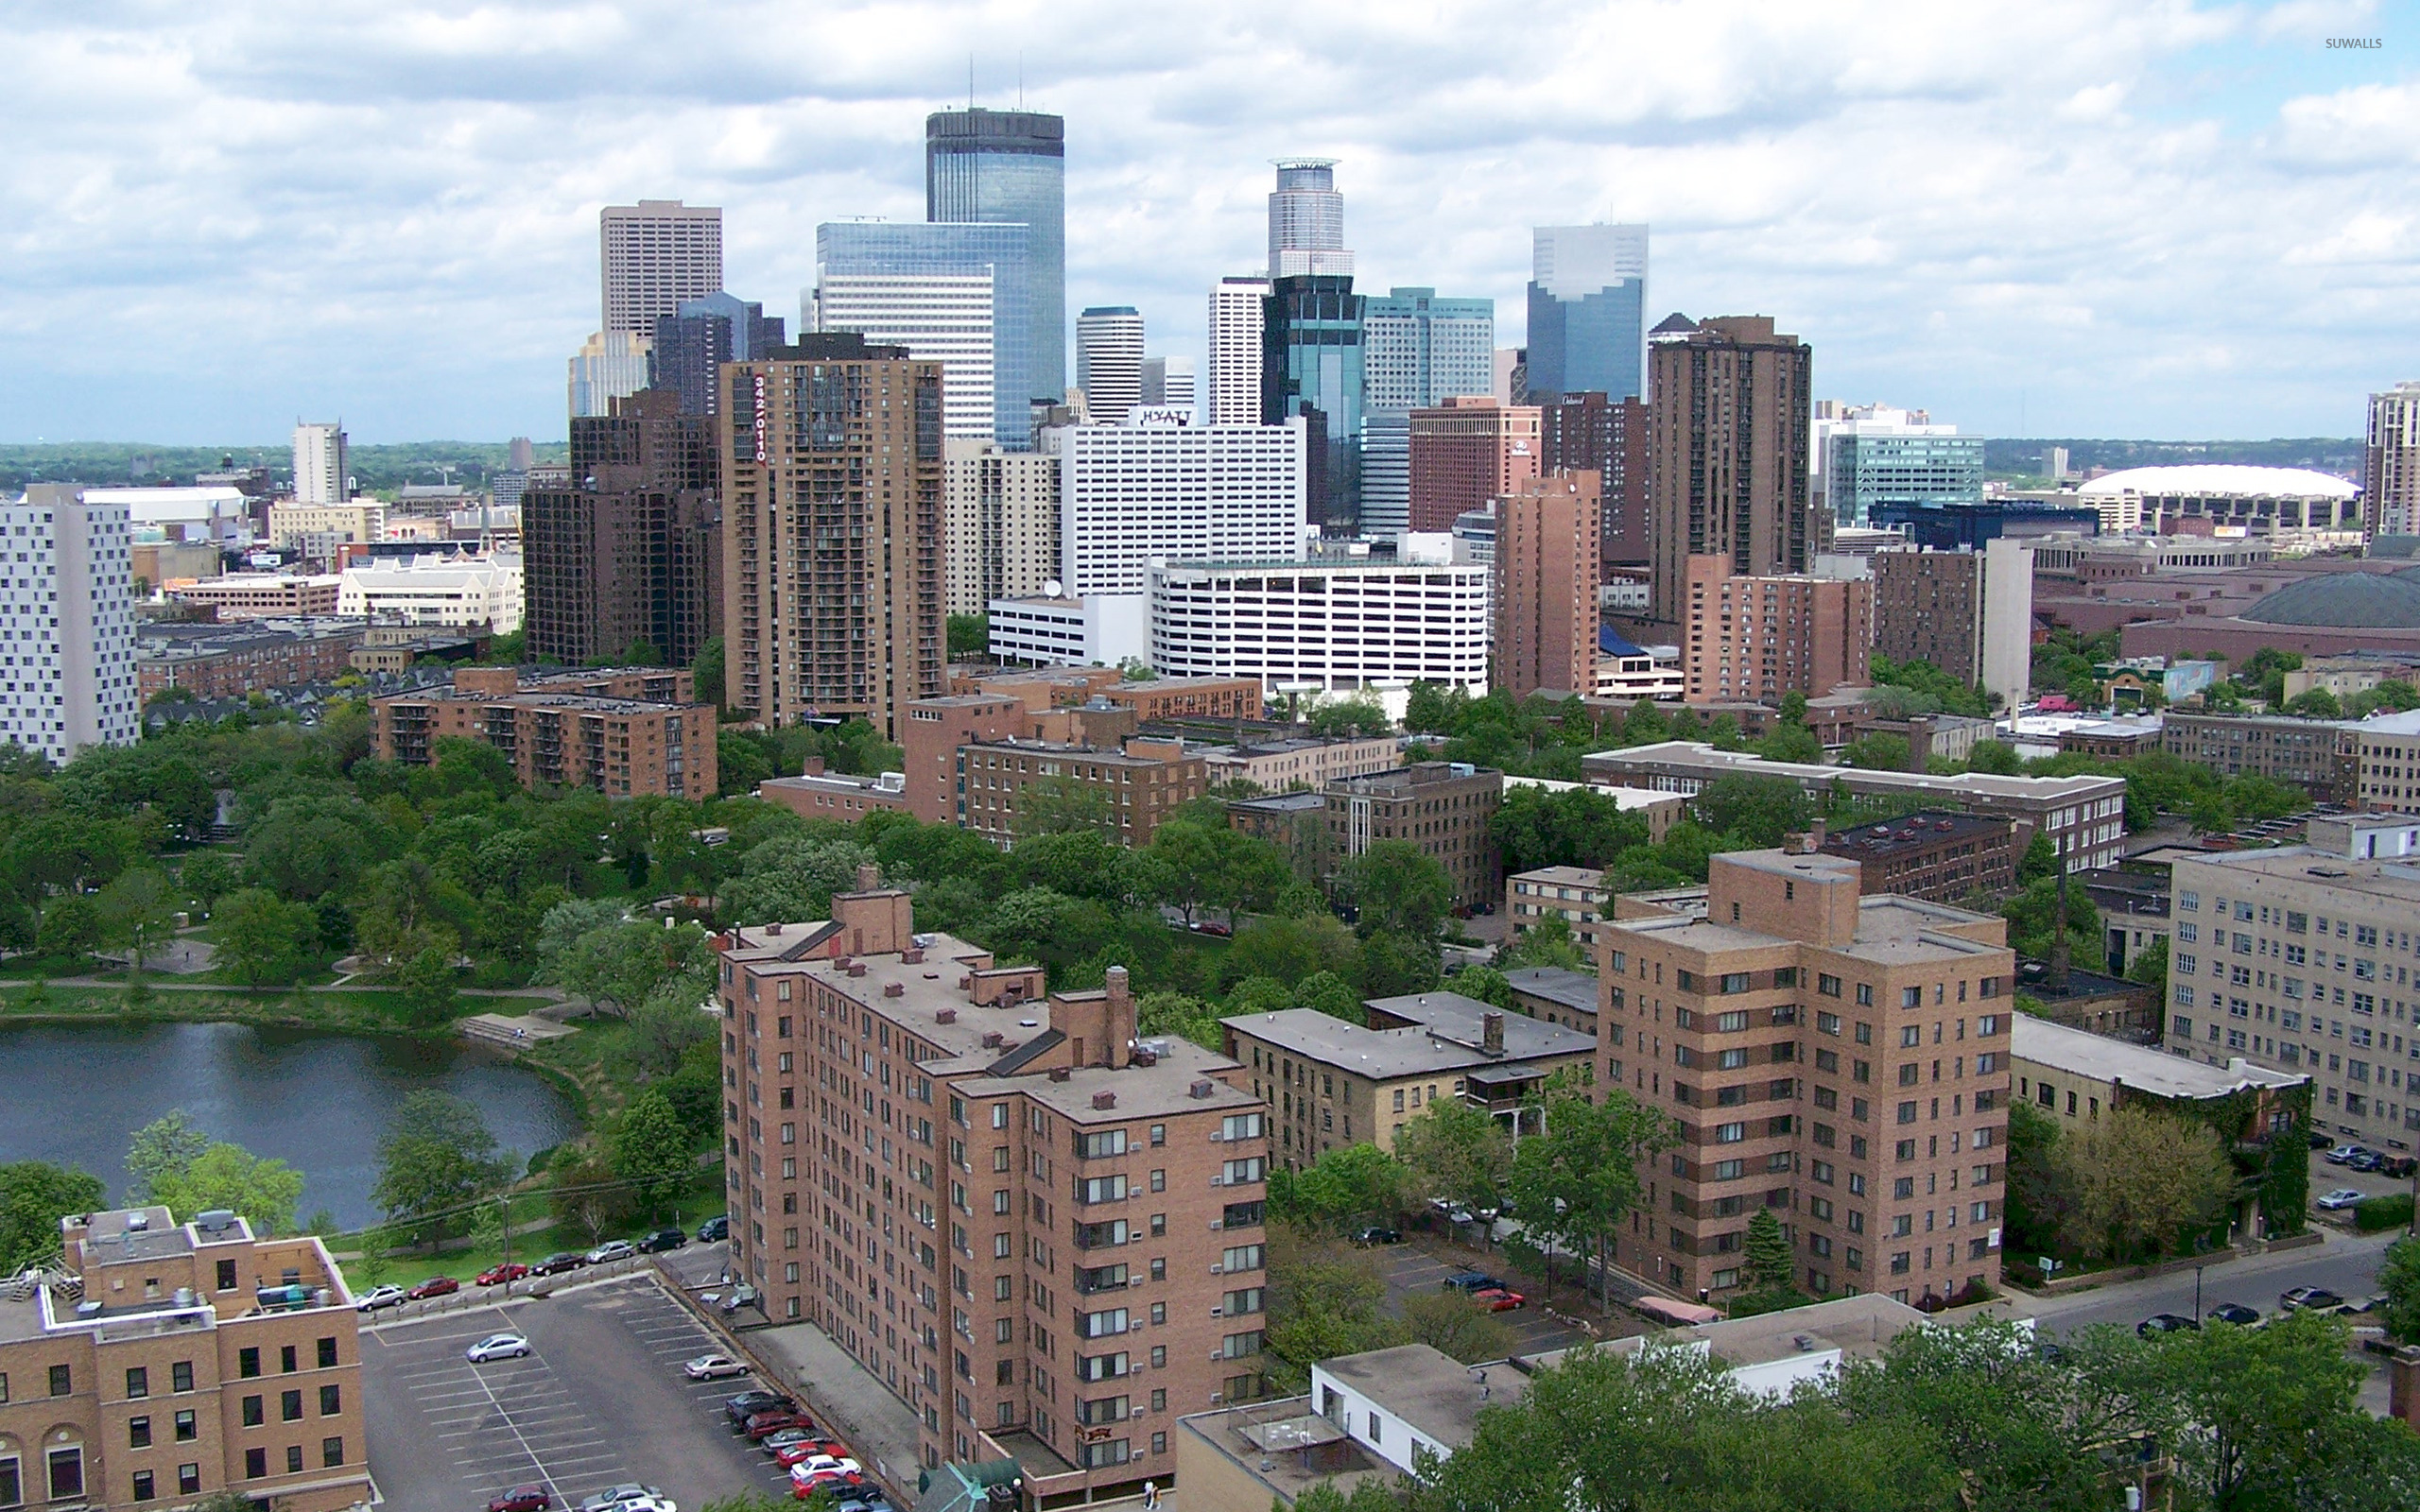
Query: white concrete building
x=611 y=365
x=1101 y=630
x=1168 y=383
x=2008 y=620
x=2285 y=504
x=999 y=524
x=945 y=318
x=1132 y=494
x=1331 y=625
x=218 y=516
x=321 y=464
x=66 y=623
x=451 y=590
x=1237 y=307
x=1108 y=361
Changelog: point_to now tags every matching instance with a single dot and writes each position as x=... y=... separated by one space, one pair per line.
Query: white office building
x=451 y=590
x=1132 y=494
x=1333 y=625
x=1168 y=383
x=945 y=318
x=653 y=257
x=1044 y=631
x=213 y=515
x=66 y=623
x=1237 y=307
x=1108 y=361
x=610 y=364
x=319 y=464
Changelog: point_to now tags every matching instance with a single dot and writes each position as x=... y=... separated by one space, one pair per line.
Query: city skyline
x=401 y=230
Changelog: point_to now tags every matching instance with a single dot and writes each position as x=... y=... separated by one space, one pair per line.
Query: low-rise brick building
x=623 y=730
x=231 y=661
x=844 y=798
x=1043 y=1232
x=1281 y=765
x=1939 y=855
x=1441 y=807
x=2310 y=753
x=1136 y=786
x=166 y=1360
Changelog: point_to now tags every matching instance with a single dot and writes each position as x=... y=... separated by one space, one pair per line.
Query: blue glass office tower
x=1010 y=166
x=1588 y=312
x=879 y=249
x=1417 y=350
x=1311 y=362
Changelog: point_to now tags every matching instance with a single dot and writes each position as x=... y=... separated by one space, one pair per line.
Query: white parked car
x=821 y=1466
x=714 y=1367
x=378 y=1297
x=612 y=1249
x=497 y=1347
x=630 y=1497
x=2341 y=1197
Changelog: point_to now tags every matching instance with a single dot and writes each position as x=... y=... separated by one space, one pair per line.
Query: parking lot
x=1421 y=1266
x=600 y=1400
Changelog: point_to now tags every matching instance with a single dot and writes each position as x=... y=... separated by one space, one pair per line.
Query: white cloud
x=216 y=218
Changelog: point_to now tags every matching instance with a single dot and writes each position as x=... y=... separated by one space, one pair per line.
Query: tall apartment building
x=1587 y=312
x=1044 y=1233
x=1589 y=432
x=654 y=256
x=1312 y=368
x=1546 y=537
x=1465 y=451
x=1442 y=808
x=1128 y=494
x=2316 y=754
x=692 y=344
x=1306 y=221
x=1238 y=312
x=1727 y=452
x=1109 y=360
x=2391 y=462
x=610 y=364
x=320 y=466
x=1000 y=520
x=1836 y=1059
x=175 y=1361
x=1870 y=456
x=1009 y=167
x=832 y=532
x=2337 y=999
x=954 y=294
x=1138 y=784
x=630 y=549
x=1168 y=383
x=1331 y=623
x=1755 y=639
x=624 y=733
x=67 y=624
x=1968 y=613
x=1418 y=351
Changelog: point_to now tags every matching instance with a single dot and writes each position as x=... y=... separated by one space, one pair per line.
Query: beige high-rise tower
x=1728 y=434
x=832 y=531
x=654 y=255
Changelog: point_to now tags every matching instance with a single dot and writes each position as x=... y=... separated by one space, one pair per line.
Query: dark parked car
x=1473 y=1280
x=749 y=1403
x=2235 y=1313
x=521 y=1498
x=662 y=1240
x=1376 y=1235
x=713 y=1228
x=2165 y=1323
x=557 y=1264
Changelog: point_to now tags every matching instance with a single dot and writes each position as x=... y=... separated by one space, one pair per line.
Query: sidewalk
x=879 y=1426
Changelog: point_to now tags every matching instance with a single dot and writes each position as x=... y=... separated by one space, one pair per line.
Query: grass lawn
x=360 y=1011
x=703 y=1199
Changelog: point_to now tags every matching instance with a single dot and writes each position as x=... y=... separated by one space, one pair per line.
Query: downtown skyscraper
x=1010 y=167
x=1588 y=312
x=1728 y=450
x=653 y=257
x=956 y=294
x=1108 y=361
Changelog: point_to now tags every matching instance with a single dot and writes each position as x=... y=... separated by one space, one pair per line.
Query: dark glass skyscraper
x=1010 y=166
x=1312 y=365
x=692 y=346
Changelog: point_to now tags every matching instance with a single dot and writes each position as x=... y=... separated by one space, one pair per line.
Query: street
x=2346 y=1265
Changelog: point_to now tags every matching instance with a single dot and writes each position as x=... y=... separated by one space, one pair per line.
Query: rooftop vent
x=894 y=989
x=137 y=1222
x=965 y=982
x=214 y=1220
x=995 y=1039
x=1104 y=1099
x=946 y=1015
x=1058 y=1072
x=1202 y=1088
x=1146 y=1056
x=913 y=955
x=856 y=967
x=773 y=931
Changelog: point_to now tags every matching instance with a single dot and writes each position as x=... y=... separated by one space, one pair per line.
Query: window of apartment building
x=255 y=1464
x=63 y=1381
x=138 y=1382
x=187 y=1427
x=331 y=1400
x=1865 y=994
x=327 y=1353
x=138 y=1433
x=331 y=1453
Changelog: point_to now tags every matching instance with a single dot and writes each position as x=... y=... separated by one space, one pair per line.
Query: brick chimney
x=1491 y=1032
x=813 y=767
x=1919 y=742
x=1121 y=1029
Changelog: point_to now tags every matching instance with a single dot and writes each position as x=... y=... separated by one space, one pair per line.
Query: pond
x=75 y=1094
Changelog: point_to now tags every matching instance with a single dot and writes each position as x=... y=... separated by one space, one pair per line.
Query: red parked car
x=763 y=1423
x=498 y=1275
x=523 y=1498
x=806 y=1449
x=434 y=1286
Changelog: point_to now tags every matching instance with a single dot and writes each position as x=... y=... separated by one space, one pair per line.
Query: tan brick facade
x=190 y=1361
x=622 y=731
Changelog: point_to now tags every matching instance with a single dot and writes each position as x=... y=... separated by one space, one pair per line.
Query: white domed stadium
x=2282 y=501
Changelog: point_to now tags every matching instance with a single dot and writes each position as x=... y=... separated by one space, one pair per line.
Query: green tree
x=651 y=1152
x=1547 y=942
x=262 y=940
x=1260 y=994
x=1398 y=888
x=2317 y=704
x=668 y=1022
x=438 y=1156
x=1997 y=757
x=970 y=637
x=1177 y=1015
x=2038 y=1199
x=1391 y=965
x=1768 y=1254
x=2142 y=1182
x=2399 y=1278
x=209 y=875
x=1578 y=1180
x=34 y=1196
x=1759 y=810
x=160 y=1150
x=2149 y=967
x=1790 y=743
x=1348 y=1184
x=1327 y=992
x=1880 y=751
x=1289 y=949
x=137 y=910
x=1576 y=827
x=1458 y=1152
x=71 y=925
x=1448 y=1323
x=1486 y=983
x=228 y=1176
x=1052 y=805
x=428 y=983
x=706 y=673
x=1322 y=1305
x=1359 y=714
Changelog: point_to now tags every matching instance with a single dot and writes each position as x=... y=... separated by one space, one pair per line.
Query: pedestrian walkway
x=510 y=1028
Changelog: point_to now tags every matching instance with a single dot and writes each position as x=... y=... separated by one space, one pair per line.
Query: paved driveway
x=1420 y=1266
x=600 y=1400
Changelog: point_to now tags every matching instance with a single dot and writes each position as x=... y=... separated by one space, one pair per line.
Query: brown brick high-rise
x=1590 y=433
x=1547 y=534
x=1728 y=452
x=832 y=532
x=1043 y=1234
x=1467 y=451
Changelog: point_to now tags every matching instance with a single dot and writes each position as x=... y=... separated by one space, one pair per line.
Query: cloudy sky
x=2112 y=217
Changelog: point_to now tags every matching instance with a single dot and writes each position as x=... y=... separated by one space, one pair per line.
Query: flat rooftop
x=2078 y=1052
x=1446 y=1040
x=2399 y=879
x=1911 y=832
x=1430 y=1389
x=1700 y=756
x=1565 y=876
x=1557 y=984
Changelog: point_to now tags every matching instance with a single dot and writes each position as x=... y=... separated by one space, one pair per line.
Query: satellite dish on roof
x=1054 y=589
